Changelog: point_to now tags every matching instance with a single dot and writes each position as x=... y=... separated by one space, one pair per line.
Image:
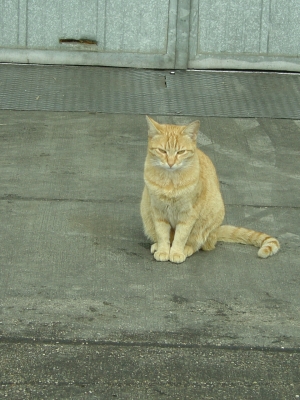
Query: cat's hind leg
x=194 y=242
x=153 y=248
x=201 y=238
x=188 y=250
x=210 y=242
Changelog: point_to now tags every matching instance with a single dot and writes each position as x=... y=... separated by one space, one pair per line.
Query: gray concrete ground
x=86 y=312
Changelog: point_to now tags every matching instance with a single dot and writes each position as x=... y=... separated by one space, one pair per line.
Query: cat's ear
x=153 y=127
x=192 y=130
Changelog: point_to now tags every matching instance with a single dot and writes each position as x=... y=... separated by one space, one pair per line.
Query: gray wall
x=238 y=34
x=249 y=34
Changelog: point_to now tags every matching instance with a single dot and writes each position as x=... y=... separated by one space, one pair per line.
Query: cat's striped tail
x=267 y=244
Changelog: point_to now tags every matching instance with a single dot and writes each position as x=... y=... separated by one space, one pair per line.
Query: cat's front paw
x=177 y=256
x=161 y=256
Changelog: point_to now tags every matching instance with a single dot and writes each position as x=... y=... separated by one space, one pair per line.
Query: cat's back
x=207 y=169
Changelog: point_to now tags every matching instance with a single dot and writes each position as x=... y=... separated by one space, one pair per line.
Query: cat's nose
x=171 y=163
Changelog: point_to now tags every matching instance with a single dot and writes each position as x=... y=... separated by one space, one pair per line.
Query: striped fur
x=267 y=244
x=182 y=208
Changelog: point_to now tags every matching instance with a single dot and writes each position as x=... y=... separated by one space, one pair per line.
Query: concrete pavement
x=86 y=312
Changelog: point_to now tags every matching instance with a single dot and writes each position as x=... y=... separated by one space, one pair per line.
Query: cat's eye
x=180 y=151
x=162 y=151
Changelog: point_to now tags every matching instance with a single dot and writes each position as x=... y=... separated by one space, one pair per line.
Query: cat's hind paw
x=153 y=248
x=188 y=250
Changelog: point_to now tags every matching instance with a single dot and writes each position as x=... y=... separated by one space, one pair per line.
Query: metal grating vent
x=132 y=91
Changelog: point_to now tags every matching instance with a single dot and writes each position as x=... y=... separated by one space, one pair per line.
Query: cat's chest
x=175 y=211
x=172 y=213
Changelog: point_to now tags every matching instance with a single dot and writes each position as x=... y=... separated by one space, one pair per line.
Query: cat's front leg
x=179 y=250
x=161 y=249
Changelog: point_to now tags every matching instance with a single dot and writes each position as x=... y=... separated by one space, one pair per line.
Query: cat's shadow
x=102 y=228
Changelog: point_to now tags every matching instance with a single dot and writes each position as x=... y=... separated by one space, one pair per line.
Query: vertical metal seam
x=176 y=35
x=18 y=34
x=26 y=22
x=198 y=29
x=270 y=26
x=261 y=23
x=105 y=18
x=97 y=15
x=182 y=35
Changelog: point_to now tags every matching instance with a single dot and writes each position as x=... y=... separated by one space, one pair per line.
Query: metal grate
x=135 y=91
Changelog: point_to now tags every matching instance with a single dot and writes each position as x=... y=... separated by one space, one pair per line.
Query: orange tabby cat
x=182 y=207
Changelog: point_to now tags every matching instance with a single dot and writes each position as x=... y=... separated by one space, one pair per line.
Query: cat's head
x=172 y=147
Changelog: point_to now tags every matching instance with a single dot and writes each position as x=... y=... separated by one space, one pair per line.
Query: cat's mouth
x=172 y=167
x=166 y=166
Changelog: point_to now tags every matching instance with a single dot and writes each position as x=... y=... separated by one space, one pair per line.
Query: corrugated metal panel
x=140 y=33
x=200 y=34
x=9 y=29
x=137 y=26
x=255 y=34
x=117 y=26
x=233 y=26
x=284 y=28
x=48 y=21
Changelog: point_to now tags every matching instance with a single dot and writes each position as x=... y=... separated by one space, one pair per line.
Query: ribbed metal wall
x=248 y=34
x=139 y=33
x=198 y=34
